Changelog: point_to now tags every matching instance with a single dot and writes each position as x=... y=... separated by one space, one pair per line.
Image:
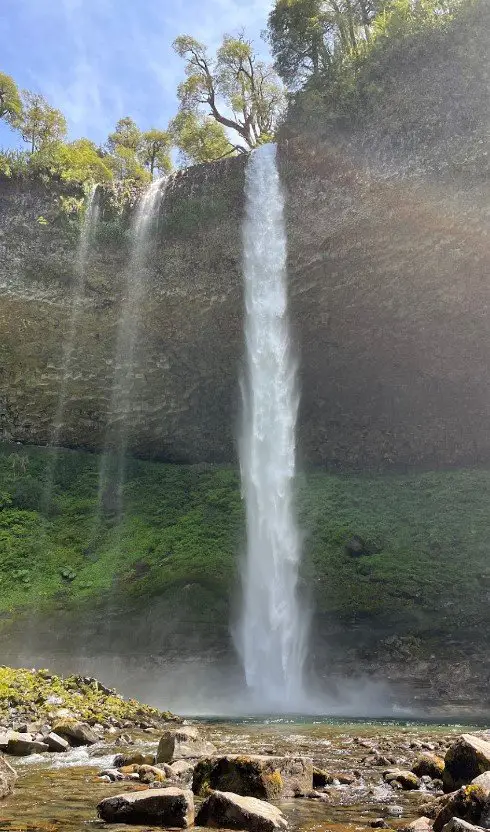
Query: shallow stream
x=60 y=792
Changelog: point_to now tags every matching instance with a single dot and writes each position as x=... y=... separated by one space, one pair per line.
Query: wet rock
x=320 y=778
x=380 y=760
x=115 y=775
x=232 y=811
x=158 y=807
x=133 y=758
x=458 y=825
x=407 y=780
x=4 y=741
x=255 y=776
x=470 y=803
x=428 y=765
x=379 y=823
x=466 y=759
x=8 y=776
x=77 y=733
x=55 y=742
x=22 y=745
x=393 y=811
x=183 y=743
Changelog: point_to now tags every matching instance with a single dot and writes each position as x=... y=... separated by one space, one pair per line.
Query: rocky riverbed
x=313 y=776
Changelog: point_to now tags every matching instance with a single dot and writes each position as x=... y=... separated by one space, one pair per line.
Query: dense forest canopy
x=229 y=102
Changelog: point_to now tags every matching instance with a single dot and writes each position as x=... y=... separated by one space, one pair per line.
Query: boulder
x=470 y=803
x=458 y=825
x=8 y=776
x=406 y=779
x=133 y=758
x=428 y=765
x=157 y=807
x=483 y=780
x=77 y=733
x=466 y=759
x=182 y=771
x=183 y=743
x=21 y=745
x=421 y=824
x=254 y=776
x=225 y=810
x=56 y=743
x=151 y=774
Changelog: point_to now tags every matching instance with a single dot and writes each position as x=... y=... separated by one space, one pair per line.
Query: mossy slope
x=426 y=534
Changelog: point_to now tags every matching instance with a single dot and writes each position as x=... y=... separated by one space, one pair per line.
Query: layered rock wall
x=388 y=224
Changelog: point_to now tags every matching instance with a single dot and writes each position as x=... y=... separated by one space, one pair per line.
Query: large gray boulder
x=183 y=743
x=483 y=781
x=77 y=733
x=21 y=745
x=257 y=775
x=226 y=810
x=467 y=758
x=158 y=807
x=8 y=776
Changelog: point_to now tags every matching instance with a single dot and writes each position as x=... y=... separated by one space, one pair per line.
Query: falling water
x=112 y=470
x=272 y=631
x=89 y=224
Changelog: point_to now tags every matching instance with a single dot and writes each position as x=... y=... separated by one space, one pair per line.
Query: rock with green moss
x=40 y=696
x=428 y=765
x=470 y=803
x=406 y=780
x=467 y=758
x=266 y=778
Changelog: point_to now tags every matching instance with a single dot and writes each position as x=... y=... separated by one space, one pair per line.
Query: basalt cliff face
x=388 y=220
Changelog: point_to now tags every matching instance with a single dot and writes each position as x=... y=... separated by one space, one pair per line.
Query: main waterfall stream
x=272 y=633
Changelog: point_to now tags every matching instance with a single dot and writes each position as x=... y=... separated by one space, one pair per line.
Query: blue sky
x=99 y=60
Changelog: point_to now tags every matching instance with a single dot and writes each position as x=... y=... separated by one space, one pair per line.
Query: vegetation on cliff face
x=422 y=554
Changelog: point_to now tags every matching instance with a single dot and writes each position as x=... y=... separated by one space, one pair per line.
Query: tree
x=10 y=102
x=155 y=150
x=313 y=37
x=127 y=134
x=235 y=82
x=199 y=138
x=124 y=164
x=39 y=123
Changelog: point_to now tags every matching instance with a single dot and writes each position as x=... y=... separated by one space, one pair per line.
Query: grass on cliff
x=426 y=534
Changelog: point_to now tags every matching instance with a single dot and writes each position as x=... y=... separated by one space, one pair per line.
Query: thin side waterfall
x=89 y=225
x=113 y=463
x=272 y=633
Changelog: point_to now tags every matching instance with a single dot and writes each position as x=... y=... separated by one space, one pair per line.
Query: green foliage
x=235 y=78
x=10 y=102
x=39 y=123
x=127 y=134
x=154 y=151
x=184 y=526
x=200 y=138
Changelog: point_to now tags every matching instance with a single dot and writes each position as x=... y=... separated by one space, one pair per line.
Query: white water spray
x=272 y=638
x=112 y=470
x=89 y=224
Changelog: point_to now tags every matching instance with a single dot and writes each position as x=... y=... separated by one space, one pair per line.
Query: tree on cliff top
x=10 y=102
x=155 y=150
x=199 y=138
x=38 y=123
x=237 y=90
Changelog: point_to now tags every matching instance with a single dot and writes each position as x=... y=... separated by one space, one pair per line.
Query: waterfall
x=272 y=637
x=87 y=231
x=112 y=469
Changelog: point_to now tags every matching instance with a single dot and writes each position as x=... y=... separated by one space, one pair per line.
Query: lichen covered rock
x=266 y=778
x=468 y=757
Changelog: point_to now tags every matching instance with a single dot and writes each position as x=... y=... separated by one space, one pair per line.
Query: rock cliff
x=389 y=284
